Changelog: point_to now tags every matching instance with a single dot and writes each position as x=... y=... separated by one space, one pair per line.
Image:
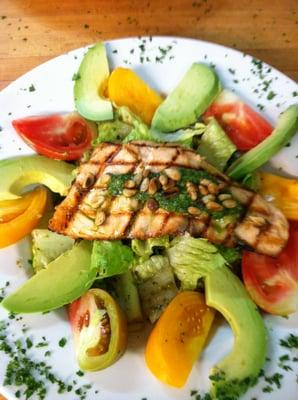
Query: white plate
x=161 y=61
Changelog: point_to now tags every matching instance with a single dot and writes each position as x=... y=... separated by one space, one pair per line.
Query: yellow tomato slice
x=126 y=88
x=10 y=209
x=178 y=337
x=20 y=226
x=283 y=193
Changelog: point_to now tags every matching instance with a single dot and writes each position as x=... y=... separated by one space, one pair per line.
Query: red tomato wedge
x=273 y=282
x=245 y=127
x=58 y=136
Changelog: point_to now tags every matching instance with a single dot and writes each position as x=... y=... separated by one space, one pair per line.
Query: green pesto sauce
x=116 y=183
x=175 y=203
x=194 y=176
x=179 y=202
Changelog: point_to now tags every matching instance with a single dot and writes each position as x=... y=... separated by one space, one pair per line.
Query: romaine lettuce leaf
x=156 y=285
x=145 y=248
x=192 y=259
x=215 y=145
x=146 y=268
x=112 y=131
x=110 y=257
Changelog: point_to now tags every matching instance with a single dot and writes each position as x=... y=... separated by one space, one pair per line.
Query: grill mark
x=129 y=226
x=207 y=224
x=113 y=155
x=164 y=222
x=83 y=193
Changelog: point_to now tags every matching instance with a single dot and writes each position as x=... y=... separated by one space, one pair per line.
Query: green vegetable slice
x=215 y=145
x=286 y=128
x=110 y=257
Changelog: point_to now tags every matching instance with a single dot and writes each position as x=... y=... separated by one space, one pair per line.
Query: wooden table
x=33 y=31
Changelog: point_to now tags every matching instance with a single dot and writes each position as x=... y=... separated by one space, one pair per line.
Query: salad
x=161 y=215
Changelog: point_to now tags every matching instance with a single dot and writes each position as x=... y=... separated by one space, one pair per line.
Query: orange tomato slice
x=178 y=337
x=19 y=219
x=126 y=88
x=10 y=209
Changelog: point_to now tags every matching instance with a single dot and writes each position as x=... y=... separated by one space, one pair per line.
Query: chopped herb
x=291 y=342
x=267 y=389
x=41 y=344
x=47 y=353
x=32 y=88
x=295 y=94
x=285 y=357
x=271 y=95
x=115 y=51
x=80 y=373
x=274 y=379
x=260 y=107
x=285 y=367
x=232 y=71
x=62 y=342
x=76 y=77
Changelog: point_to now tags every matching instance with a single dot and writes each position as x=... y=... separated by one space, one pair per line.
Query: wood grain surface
x=32 y=32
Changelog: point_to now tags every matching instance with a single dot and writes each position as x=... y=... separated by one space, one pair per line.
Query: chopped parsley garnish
x=32 y=88
x=76 y=77
x=271 y=95
x=291 y=342
x=62 y=342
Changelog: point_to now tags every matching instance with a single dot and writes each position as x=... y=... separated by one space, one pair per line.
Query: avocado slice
x=17 y=173
x=286 y=128
x=47 y=246
x=238 y=371
x=62 y=281
x=91 y=78
x=193 y=95
x=193 y=259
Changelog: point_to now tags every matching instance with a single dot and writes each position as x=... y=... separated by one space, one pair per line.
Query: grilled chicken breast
x=143 y=190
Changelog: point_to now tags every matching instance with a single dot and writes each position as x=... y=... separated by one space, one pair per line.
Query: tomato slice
x=62 y=137
x=245 y=127
x=9 y=209
x=178 y=338
x=99 y=329
x=273 y=282
x=22 y=224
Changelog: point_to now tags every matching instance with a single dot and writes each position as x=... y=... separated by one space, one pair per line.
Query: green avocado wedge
x=239 y=370
x=193 y=259
x=62 y=281
x=92 y=75
x=193 y=95
x=17 y=173
x=286 y=128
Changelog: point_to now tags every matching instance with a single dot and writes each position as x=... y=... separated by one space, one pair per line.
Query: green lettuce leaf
x=156 y=284
x=215 y=145
x=110 y=257
x=232 y=255
x=112 y=131
x=192 y=259
x=145 y=248
x=146 y=268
